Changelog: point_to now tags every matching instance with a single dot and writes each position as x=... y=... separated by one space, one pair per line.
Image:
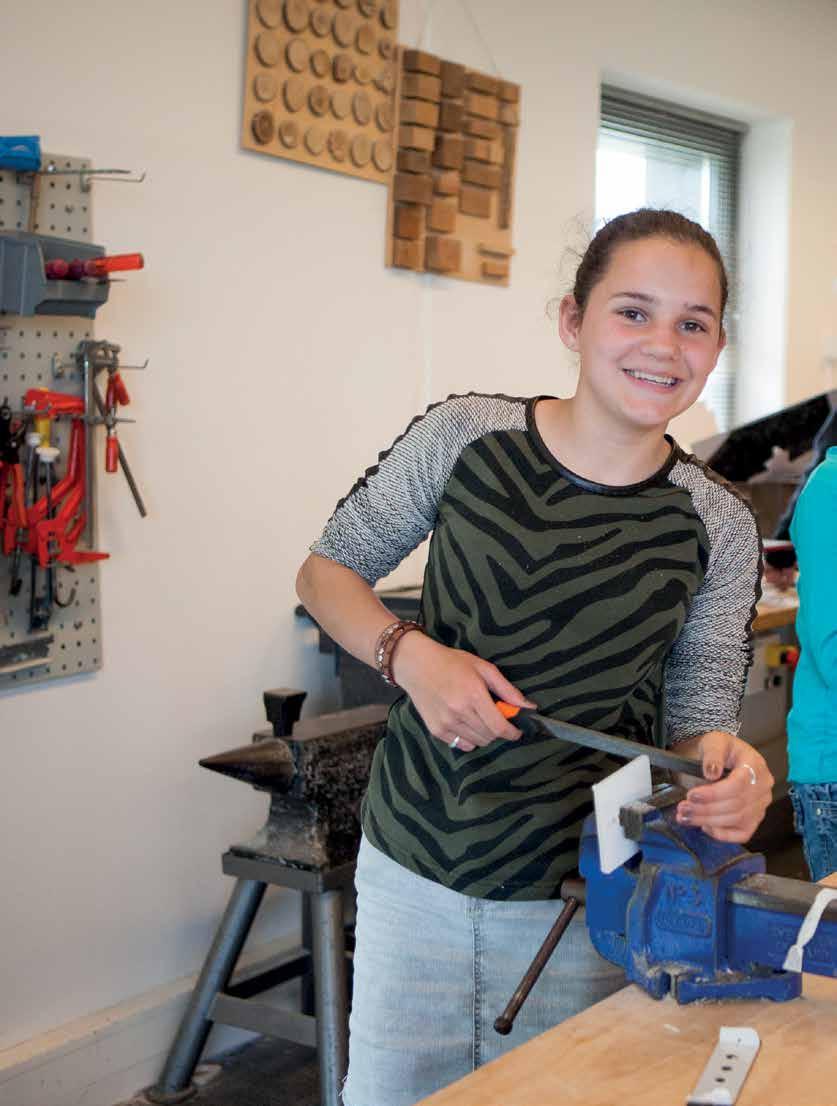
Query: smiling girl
x=580 y=561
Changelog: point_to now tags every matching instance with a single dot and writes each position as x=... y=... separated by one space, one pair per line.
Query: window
x=654 y=154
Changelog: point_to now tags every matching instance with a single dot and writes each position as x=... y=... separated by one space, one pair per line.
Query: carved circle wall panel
x=311 y=61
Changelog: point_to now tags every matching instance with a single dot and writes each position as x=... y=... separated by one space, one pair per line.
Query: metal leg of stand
x=307 y=1005
x=330 y=986
x=174 y=1084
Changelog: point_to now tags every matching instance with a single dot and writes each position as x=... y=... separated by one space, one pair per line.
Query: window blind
x=670 y=130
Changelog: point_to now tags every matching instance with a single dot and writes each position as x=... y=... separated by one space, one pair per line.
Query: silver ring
x=456 y=741
x=752 y=772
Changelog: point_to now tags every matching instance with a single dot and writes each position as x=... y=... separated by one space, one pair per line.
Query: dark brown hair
x=646 y=222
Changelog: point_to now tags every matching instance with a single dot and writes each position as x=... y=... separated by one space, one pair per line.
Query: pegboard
x=31 y=350
x=451 y=200
x=320 y=83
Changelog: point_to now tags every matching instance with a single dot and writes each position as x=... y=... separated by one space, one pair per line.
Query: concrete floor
x=265 y=1073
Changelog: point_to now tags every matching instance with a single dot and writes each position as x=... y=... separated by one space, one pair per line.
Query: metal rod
x=173 y=1084
x=118 y=176
x=50 y=514
x=308 y=998
x=505 y=1021
x=87 y=430
x=331 y=998
x=34 y=198
x=34 y=621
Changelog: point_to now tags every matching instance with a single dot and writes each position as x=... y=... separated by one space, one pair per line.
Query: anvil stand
x=323 y=1022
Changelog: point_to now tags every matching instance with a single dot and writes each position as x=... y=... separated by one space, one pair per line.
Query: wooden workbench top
x=632 y=1050
x=769 y=617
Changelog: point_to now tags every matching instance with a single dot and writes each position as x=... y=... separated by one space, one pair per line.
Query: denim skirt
x=815 y=819
x=434 y=968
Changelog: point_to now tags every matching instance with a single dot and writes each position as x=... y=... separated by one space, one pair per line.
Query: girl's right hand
x=452 y=691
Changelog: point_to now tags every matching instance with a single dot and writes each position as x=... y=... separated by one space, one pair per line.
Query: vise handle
x=572 y=891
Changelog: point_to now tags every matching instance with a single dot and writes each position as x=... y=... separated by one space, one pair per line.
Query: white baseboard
x=110 y=1056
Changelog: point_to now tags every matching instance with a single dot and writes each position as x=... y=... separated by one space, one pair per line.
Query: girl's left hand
x=731 y=808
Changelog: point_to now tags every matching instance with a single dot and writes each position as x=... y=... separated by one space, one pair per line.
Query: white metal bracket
x=724 y=1075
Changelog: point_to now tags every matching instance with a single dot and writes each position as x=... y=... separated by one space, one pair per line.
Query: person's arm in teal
x=815 y=539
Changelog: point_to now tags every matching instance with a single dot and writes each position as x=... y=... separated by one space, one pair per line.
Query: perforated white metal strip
x=728 y=1067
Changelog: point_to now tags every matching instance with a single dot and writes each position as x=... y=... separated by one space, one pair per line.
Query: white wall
x=283 y=356
x=763 y=267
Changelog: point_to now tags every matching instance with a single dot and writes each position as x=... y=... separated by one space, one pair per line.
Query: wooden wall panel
x=456 y=212
x=320 y=83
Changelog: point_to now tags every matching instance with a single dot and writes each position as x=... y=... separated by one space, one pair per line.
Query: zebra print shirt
x=597 y=602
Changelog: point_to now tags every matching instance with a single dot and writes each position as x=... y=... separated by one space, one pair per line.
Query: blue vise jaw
x=699 y=917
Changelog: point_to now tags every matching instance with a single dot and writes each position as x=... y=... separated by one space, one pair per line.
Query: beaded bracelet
x=386 y=643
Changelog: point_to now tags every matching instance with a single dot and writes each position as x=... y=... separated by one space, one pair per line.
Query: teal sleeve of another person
x=812 y=723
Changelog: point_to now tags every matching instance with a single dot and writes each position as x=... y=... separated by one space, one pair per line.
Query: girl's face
x=651 y=332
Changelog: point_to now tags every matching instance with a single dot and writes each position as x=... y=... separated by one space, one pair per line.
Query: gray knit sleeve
x=706 y=670
x=392 y=508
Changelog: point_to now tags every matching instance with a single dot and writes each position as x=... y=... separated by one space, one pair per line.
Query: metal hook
x=119 y=176
x=100 y=354
x=59 y=602
x=116 y=176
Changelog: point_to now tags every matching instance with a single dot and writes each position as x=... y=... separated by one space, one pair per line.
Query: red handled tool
x=97 y=268
x=56 y=269
x=57 y=519
x=102 y=266
x=116 y=395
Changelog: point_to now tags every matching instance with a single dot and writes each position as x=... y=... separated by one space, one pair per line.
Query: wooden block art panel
x=320 y=83
x=451 y=200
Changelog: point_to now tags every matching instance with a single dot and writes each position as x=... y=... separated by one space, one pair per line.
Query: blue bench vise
x=696 y=917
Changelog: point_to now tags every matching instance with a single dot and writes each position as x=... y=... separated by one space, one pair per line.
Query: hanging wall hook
x=119 y=176
x=58 y=597
x=116 y=176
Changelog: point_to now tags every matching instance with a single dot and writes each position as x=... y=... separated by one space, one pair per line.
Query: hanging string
x=431 y=4
x=428 y=8
x=466 y=8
